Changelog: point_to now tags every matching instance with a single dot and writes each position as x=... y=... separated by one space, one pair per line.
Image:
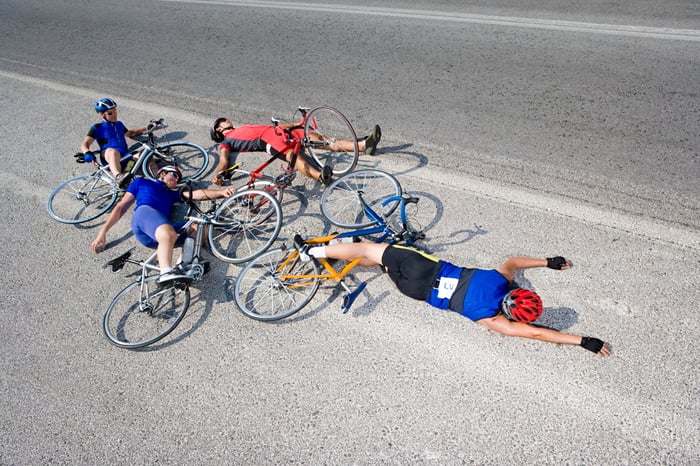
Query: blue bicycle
x=278 y=283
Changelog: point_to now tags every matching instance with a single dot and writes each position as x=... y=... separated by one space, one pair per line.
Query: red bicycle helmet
x=522 y=305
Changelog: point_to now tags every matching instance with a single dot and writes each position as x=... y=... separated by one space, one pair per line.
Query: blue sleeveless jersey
x=474 y=293
x=485 y=291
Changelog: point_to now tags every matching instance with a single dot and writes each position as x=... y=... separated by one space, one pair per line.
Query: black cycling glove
x=556 y=262
x=592 y=344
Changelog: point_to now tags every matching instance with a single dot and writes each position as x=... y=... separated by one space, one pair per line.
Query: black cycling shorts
x=412 y=271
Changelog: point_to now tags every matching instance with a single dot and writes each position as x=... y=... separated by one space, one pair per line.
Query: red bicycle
x=328 y=139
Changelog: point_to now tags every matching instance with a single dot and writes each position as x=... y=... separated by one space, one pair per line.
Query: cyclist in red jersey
x=273 y=140
x=485 y=296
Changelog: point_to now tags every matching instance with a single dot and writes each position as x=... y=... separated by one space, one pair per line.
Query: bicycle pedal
x=228 y=173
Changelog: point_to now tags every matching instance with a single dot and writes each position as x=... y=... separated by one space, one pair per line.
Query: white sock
x=164 y=271
x=349 y=239
x=317 y=252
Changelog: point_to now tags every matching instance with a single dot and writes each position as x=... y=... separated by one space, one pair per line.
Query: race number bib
x=446 y=287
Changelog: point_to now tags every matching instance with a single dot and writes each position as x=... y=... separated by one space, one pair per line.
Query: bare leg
x=303 y=166
x=113 y=158
x=370 y=253
x=341 y=145
x=166 y=237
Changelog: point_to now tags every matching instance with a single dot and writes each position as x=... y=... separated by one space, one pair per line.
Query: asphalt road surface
x=525 y=129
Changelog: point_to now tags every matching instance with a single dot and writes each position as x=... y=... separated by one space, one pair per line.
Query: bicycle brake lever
x=411 y=200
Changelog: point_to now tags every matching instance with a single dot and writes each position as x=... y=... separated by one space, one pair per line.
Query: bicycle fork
x=350 y=296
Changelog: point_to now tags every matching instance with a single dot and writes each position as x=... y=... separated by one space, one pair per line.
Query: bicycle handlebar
x=192 y=205
x=402 y=199
x=154 y=125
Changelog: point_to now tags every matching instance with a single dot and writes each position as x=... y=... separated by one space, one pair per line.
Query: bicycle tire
x=340 y=202
x=244 y=226
x=329 y=124
x=82 y=198
x=126 y=325
x=263 y=293
x=191 y=159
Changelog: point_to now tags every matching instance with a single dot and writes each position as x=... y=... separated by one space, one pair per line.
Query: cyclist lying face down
x=484 y=296
x=273 y=140
x=150 y=224
x=111 y=136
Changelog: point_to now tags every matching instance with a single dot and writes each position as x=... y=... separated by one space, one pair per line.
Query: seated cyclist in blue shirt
x=484 y=296
x=150 y=222
x=111 y=136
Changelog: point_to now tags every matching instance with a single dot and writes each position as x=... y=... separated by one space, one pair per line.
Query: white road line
x=533 y=23
x=634 y=225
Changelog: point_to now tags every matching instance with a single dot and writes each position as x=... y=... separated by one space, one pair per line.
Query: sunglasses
x=172 y=173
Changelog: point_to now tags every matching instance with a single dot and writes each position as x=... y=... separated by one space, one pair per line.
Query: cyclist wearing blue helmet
x=111 y=136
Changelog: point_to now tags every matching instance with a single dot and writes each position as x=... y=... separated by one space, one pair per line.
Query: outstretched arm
x=203 y=194
x=135 y=132
x=504 y=326
x=510 y=266
x=99 y=244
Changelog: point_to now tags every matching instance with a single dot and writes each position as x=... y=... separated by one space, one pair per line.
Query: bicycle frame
x=295 y=144
x=138 y=152
x=387 y=234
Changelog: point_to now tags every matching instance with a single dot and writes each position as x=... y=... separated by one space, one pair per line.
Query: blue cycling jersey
x=110 y=136
x=485 y=291
x=154 y=203
x=155 y=194
x=474 y=293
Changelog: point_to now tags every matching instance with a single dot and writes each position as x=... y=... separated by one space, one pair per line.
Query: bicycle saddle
x=118 y=263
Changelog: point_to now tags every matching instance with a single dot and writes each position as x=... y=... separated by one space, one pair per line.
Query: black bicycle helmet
x=214 y=133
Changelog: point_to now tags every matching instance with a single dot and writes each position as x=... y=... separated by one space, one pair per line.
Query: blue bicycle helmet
x=105 y=104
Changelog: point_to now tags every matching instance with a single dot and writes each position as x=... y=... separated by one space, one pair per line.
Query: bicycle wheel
x=244 y=226
x=82 y=198
x=191 y=159
x=341 y=204
x=275 y=285
x=331 y=140
x=139 y=317
x=264 y=185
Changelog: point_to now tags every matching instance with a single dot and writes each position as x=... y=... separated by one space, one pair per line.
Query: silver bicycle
x=238 y=230
x=86 y=197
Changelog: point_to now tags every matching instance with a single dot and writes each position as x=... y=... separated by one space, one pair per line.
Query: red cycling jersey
x=259 y=138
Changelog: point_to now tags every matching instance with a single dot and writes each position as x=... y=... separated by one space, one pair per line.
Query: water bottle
x=187 y=250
